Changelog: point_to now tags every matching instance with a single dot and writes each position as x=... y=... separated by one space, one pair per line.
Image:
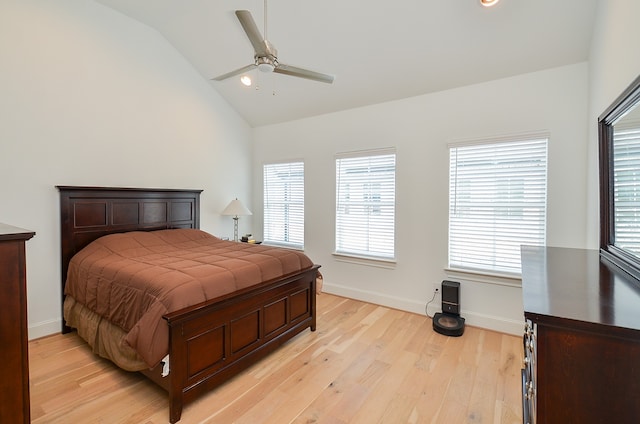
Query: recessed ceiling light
x=246 y=80
x=489 y=3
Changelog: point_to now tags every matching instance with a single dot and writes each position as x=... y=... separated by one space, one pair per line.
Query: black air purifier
x=449 y=322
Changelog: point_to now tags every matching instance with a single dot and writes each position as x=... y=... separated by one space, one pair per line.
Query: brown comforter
x=133 y=279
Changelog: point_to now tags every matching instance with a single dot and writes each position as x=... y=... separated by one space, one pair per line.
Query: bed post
x=177 y=374
x=314 y=283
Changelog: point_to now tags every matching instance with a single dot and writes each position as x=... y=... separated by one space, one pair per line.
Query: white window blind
x=497 y=202
x=365 y=204
x=626 y=197
x=284 y=204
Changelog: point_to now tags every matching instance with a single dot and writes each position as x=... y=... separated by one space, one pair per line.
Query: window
x=284 y=204
x=365 y=204
x=497 y=202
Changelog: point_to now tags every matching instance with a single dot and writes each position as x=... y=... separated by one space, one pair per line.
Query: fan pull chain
x=273 y=86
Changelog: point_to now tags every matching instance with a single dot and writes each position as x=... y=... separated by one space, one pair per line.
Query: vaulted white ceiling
x=378 y=50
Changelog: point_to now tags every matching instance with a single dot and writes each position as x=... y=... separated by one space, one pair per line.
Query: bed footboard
x=212 y=342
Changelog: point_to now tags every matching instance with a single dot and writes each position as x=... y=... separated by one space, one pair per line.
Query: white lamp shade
x=236 y=208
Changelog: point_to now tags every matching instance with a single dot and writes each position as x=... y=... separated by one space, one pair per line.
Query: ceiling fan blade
x=234 y=73
x=303 y=73
x=260 y=45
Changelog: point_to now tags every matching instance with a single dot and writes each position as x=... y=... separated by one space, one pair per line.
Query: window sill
x=365 y=260
x=509 y=280
x=283 y=245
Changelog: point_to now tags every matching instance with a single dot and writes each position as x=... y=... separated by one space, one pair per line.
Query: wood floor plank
x=364 y=364
x=381 y=398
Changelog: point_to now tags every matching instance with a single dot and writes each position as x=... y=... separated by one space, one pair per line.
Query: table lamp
x=236 y=209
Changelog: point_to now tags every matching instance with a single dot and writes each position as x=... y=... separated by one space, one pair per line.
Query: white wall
x=614 y=63
x=91 y=97
x=420 y=128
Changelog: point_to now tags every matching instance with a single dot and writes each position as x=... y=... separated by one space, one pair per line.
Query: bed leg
x=175 y=410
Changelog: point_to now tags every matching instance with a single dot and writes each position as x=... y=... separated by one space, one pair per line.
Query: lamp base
x=235 y=228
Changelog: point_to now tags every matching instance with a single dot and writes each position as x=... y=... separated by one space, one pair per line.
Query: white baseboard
x=45 y=328
x=489 y=322
x=476 y=319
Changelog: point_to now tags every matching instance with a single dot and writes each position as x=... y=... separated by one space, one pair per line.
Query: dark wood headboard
x=87 y=213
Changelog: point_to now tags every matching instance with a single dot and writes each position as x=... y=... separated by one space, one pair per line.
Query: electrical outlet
x=436 y=287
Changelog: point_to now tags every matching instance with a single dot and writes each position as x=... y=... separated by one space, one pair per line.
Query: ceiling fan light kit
x=266 y=64
x=266 y=56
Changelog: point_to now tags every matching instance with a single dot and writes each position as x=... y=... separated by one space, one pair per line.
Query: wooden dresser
x=582 y=338
x=14 y=357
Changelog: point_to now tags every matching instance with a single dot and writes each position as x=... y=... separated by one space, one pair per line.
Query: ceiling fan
x=266 y=56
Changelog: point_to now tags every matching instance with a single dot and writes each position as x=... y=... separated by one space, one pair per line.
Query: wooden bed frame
x=209 y=342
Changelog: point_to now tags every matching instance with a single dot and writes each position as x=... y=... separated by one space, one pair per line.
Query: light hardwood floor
x=364 y=364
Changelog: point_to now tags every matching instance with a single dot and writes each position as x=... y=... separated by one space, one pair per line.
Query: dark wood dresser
x=582 y=338
x=14 y=357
